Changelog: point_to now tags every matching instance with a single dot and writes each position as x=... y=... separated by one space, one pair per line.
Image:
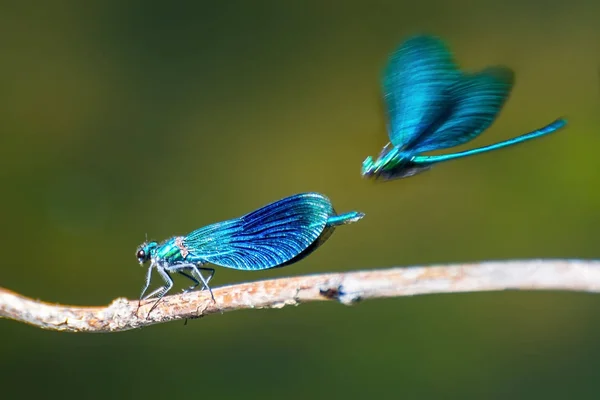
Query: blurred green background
x=121 y=119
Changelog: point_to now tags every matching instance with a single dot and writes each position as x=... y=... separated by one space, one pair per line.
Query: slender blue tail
x=344 y=219
x=552 y=127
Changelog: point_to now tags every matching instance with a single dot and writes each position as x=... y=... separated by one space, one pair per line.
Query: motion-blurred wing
x=416 y=82
x=265 y=238
x=478 y=98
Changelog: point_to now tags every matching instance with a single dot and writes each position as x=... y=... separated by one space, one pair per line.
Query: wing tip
x=421 y=42
x=502 y=73
x=425 y=38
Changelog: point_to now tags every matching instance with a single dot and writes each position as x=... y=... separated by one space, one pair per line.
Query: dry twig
x=345 y=287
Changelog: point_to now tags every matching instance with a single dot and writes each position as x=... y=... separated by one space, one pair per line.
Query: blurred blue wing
x=478 y=98
x=416 y=82
x=265 y=238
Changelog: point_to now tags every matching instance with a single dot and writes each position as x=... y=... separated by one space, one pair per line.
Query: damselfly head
x=388 y=158
x=144 y=251
x=373 y=168
x=368 y=167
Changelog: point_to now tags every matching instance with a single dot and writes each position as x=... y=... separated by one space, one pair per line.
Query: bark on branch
x=345 y=287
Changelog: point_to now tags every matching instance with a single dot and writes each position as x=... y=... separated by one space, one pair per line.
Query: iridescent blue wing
x=416 y=82
x=265 y=238
x=478 y=98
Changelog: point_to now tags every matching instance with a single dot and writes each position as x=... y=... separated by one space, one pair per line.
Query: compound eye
x=141 y=254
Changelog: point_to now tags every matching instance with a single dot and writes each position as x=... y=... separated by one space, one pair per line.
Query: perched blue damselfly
x=276 y=235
